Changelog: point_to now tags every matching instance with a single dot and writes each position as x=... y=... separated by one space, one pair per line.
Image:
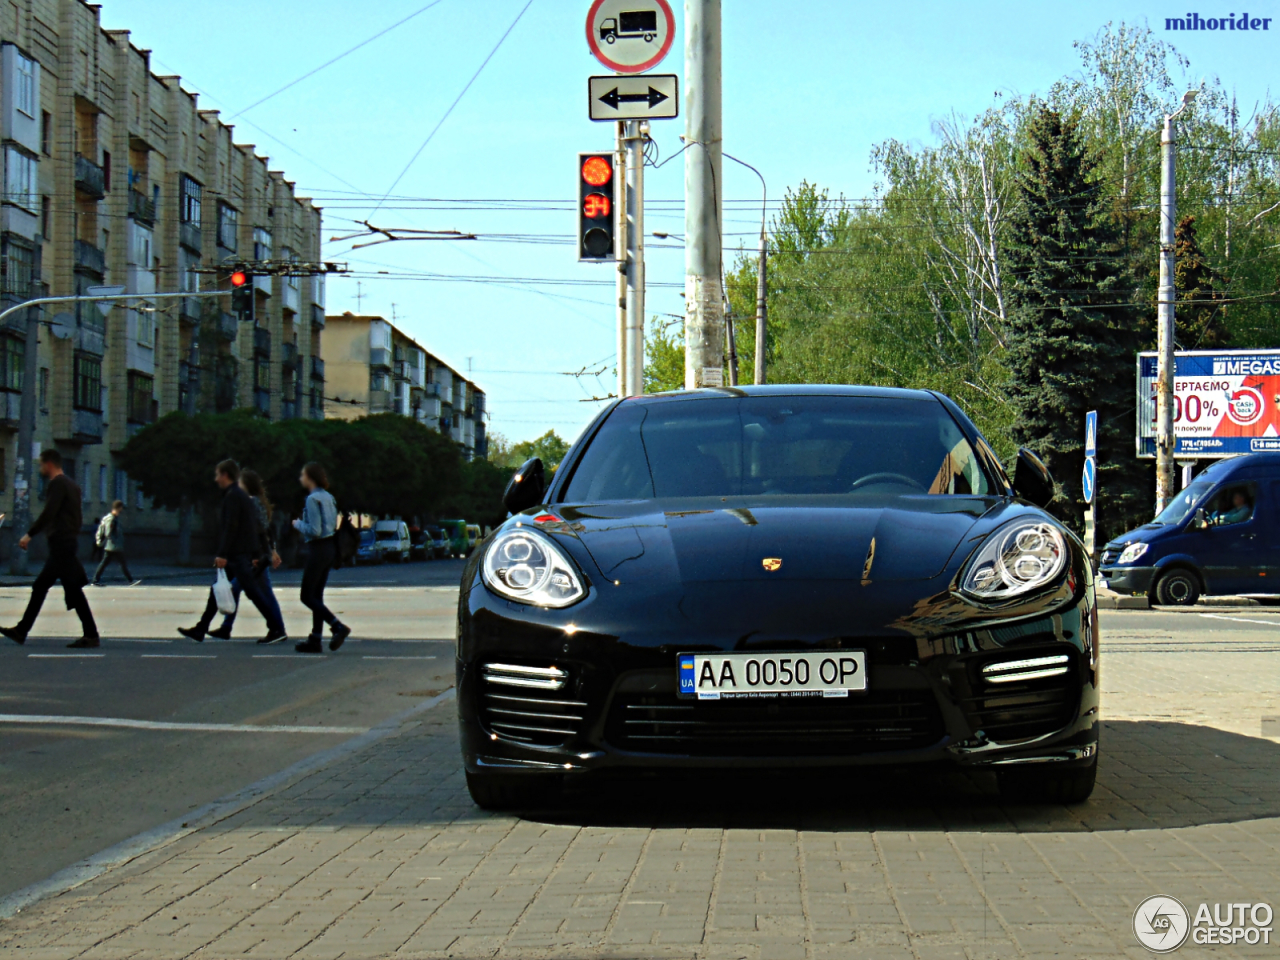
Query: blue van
x=1221 y=535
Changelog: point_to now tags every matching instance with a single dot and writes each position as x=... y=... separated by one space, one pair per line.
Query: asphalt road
x=68 y=790
x=71 y=789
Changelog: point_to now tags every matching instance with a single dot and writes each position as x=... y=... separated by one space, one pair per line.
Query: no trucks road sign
x=630 y=36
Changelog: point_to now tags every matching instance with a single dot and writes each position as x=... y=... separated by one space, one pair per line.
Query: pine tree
x=1073 y=328
x=1199 y=318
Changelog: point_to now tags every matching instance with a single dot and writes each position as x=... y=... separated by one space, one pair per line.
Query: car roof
x=1229 y=466
x=786 y=390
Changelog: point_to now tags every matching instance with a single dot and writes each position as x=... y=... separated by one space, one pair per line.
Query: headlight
x=527 y=567
x=1131 y=553
x=1017 y=559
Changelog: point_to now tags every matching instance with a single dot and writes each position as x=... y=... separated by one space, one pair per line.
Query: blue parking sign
x=1090 y=479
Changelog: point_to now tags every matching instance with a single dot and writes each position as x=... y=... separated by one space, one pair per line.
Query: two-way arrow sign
x=644 y=97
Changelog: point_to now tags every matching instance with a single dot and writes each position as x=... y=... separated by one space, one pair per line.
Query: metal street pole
x=620 y=241
x=762 y=306
x=634 y=139
x=1165 y=441
x=27 y=426
x=703 y=286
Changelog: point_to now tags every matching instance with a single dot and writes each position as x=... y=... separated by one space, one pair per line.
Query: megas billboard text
x=1224 y=403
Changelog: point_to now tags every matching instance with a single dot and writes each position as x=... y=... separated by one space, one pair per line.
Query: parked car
x=368 y=551
x=393 y=539
x=775 y=578
x=474 y=536
x=439 y=544
x=455 y=533
x=1217 y=536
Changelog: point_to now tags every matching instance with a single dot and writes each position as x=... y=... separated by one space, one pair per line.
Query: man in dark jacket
x=238 y=547
x=60 y=522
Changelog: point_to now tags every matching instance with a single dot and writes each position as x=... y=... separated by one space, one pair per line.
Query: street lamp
x=1165 y=441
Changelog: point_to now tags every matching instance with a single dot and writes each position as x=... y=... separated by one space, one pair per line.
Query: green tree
x=1199 y=317
x=480 y=498
x=549 y=447
x=1073 y=330
x=664 y=356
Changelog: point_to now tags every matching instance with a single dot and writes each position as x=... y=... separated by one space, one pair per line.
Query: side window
x=1233 y=504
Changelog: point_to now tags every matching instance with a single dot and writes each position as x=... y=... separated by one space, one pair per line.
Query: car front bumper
x=1127 y=579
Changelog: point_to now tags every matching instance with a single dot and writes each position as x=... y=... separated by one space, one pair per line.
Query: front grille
x=1016 y=698
x=879 y=721
x=1108 y=557
x=529 y=704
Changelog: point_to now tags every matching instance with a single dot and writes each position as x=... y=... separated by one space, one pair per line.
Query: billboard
x=1225 y=402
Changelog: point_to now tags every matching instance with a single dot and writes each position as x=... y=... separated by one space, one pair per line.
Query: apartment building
x=114 y=175
x=371 y=366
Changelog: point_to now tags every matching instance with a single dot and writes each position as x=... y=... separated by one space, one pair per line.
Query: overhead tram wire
x=458 y=99
x=329 y=63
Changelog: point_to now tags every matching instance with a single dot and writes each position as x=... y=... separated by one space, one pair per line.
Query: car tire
x=1047 y=783
x=1177 y=588
x=506 y=791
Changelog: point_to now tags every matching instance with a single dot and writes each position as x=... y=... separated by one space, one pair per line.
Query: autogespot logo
x=1161 y=924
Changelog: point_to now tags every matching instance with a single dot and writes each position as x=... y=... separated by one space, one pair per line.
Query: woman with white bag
x=238 y=546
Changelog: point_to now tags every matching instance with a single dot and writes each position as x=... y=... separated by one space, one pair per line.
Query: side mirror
x=1198 y=522
x=526 y=488
x=1032 y=480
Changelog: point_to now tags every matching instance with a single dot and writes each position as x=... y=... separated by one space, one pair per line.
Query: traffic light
x=242 y=294
x=595 y=207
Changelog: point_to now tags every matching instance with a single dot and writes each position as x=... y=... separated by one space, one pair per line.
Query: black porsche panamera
x=778 y=577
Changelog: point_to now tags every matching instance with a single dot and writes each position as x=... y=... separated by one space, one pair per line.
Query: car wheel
x=506 y=791
x=1047 y=783
x=1178 y=588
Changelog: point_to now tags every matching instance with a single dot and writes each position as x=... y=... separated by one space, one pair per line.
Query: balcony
x=289 y=356
x=142 y=208
x=288 y=409
x=224 y=394
x=477 y=405
x=189 y=235
x=379 y=401
x=90 y=259
x=402 y=370
x=226 y=327
x=261 y=342
x=85 y=427
x=380 y=358
x=317 y=368
x=190 y=310
x=262 y=400
x=91 y=180
x=10 y=409
x=317 y=316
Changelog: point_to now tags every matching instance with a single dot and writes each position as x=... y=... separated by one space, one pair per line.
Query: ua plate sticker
x=686 y=677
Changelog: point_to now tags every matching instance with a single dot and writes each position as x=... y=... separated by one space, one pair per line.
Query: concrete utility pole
x=703 y=197
x=637 y=132
x=1165 y=441
x=620 y=247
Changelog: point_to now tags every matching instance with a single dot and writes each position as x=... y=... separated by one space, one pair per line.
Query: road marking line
x=370 y=657
x=62 y=656
x=126 y=724
x=179 y=656
x=137 y=640
x=1218 y=616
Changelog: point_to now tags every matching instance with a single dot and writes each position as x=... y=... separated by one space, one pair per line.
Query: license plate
x=723 y=676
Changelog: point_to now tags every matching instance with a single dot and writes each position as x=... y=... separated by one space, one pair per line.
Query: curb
x=80 y=873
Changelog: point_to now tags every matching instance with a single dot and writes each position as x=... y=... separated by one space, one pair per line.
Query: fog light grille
x=516 y=675
x=1036 y=668
x=530 y=704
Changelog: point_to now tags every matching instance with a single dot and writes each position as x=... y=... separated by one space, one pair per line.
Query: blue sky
x=808 y=90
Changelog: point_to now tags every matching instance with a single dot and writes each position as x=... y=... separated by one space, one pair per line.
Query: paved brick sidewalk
x=382 y=854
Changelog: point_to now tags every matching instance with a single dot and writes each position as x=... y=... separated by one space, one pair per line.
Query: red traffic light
x=597 y=171
x=239 y=278
x=595 y=205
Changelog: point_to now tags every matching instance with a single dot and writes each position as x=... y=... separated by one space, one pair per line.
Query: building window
x=106 y=172
x=13 y=360
x=261 y=244
x=88 y=383
x=46 y=217
x=20 y=179
x=42 y=394
x=17 y=266
x=26 y=92
x=141 y=390
x=380 y=381
x=102 y=483
x=228 y=227
x=46 y=133
x=189 y=195
x=262 y=374
x=140 y=247
x=146 y=328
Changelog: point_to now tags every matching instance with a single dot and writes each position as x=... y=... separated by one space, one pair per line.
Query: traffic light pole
x=1165 y=440
x=633 y=143
x=27 y=426
x=620 y=247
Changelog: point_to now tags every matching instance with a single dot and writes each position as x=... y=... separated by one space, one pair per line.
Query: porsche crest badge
x=771 y=563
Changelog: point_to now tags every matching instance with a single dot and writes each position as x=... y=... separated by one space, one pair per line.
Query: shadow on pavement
x=1152 y=776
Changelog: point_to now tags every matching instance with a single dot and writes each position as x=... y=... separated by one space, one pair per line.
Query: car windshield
x=777 y=445
x=366 y=537
x=1184 y=503
x=388 y=535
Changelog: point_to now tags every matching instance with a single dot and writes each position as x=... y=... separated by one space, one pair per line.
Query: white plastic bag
x=222 y=594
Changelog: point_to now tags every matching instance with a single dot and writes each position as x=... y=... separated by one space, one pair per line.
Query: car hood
x=894 y=538
x=1147 y=533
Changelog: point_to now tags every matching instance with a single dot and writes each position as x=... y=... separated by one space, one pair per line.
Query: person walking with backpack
x=110 y=540
x=60 y=521
x=318 y=526
x=252 y=484
x=238 y=546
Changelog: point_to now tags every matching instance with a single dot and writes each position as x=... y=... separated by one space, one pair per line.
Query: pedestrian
x=238 y=546
x=252 y=484
x=60 y=521
x=318 y=525
x=110 y=539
